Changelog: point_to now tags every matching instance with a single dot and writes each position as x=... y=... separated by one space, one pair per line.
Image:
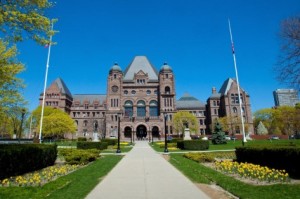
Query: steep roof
x=89 y=97
x=189 y=102
x=226 y=86
x=140 y=63
x=62 y=87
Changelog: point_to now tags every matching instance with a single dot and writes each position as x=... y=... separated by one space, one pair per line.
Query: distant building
x=285 y=97
x=140 y=96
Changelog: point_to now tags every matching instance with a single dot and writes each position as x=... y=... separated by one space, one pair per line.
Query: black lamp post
x=131 y=138
x=23 y=111
x=166 y=143
x=118 y=149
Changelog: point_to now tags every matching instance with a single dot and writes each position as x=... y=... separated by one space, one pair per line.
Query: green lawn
x=232 y=144
x=201 y=174
x=113 y=149
x=74 y=186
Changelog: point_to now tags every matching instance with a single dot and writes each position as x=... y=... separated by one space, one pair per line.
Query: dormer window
x=140 y=81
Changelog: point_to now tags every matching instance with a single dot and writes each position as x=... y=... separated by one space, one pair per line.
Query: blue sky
x=192 y=36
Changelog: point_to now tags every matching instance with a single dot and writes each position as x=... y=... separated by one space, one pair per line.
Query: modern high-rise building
x=138 y=100
x=285 y=97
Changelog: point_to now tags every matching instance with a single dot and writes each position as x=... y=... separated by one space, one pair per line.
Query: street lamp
x=118 y=149
x=166 y=144
x=23 y=111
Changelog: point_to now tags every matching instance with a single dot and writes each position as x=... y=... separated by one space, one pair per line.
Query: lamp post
x=118 y=149
x=131 y=138
x=23 y=111
x=166 y=143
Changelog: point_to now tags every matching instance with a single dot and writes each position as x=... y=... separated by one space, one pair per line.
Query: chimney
x=214 y=91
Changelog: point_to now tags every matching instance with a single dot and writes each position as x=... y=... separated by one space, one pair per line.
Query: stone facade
x=138 y=101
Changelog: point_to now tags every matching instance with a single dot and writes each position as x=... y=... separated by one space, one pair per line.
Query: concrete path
x=144 y=174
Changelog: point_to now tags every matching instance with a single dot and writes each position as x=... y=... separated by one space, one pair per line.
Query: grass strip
x=201 y=174
x=76 y=185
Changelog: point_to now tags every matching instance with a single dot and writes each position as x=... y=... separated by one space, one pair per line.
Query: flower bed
x=38 y=178
x=252 y=171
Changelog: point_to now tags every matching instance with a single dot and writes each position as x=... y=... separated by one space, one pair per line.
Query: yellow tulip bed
x=252 y=171
x=39 y=178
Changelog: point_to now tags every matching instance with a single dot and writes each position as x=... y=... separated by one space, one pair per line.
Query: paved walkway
x=144 y=174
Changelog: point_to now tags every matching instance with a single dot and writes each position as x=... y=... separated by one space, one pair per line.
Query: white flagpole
x=45 y=85
x=238 y=85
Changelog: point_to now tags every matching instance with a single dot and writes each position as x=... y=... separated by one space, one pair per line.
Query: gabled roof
x=90 y=98
x=62 y=87
x=140 y=63
x=226 y=86
x=189 y=102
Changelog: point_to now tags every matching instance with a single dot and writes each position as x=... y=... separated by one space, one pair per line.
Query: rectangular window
x=153 y=111
x=141 y=111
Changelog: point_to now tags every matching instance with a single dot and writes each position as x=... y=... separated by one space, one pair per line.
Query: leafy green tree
x=261 y=129
x=55 y=122
x=230 y=123
x=267 y=117
x=218 y=136
x=182 y=119
x=10 y=84
x=22 y=19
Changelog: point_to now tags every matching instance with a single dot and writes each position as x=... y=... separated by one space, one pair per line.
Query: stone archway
x=155 y=131
x=141 y=132
x=127 y=132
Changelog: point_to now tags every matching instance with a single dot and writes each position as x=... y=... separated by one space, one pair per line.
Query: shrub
x=92 y=145
x=17 y=159
x=79 y=156
x=81 y=139
x=195 y=144
x=200 y=157
x=110 y=141
x=180 y=144
x=277 y=157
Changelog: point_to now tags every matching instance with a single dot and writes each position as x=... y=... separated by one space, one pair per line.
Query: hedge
x=278 y=157
x=92 y=145
x=81 y=139
x=79 y=156
x=193 y=144
x=17 y=159
x=110 y=141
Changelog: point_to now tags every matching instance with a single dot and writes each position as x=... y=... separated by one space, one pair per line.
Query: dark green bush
x=92 y=145
x=175 y=140
x=110 y=141
x=79 y=156
x=81 y=139
x=17 y=159
x=277 y=157
x=195 y=144
x=180 y=144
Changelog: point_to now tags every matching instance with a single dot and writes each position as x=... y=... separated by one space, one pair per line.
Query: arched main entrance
x=141 y=132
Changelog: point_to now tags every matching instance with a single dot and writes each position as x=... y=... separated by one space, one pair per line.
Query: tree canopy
x=25 y=19
x=10 y=84
x=288 y=66
x=280 y=120
x=55 y=122
x=183 y=118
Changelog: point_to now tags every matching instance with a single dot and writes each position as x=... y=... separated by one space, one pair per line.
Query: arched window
x=141 y=108
x=128 y=108
x=167 y=90
x=234 y=109
x=153 y=108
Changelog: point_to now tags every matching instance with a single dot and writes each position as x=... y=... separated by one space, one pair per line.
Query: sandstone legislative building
x=139 y=99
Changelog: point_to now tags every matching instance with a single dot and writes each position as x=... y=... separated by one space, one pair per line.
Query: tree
x=10 y=84
x=261 y=129
x=288 y=66
x=231 y=123
x=22 y=19
x=267 y=117
x=218 y=136
x=183 y=118
x=55 y=122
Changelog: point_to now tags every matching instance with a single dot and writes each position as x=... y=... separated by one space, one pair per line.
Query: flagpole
x=238 y=85
x=45 y=85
